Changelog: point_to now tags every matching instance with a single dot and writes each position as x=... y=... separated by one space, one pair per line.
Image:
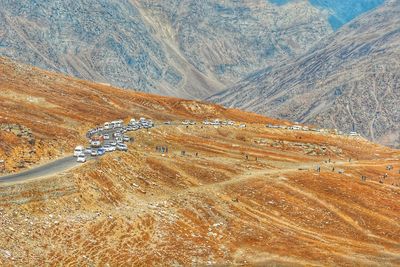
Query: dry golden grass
x=145 y=208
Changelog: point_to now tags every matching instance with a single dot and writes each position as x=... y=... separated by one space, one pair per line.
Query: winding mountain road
x=51 y=168
x=60 y=165
x=54 y=167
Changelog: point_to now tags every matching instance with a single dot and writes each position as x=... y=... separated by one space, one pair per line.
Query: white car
x=95 y=143
x=122 y=147
x=81 y=158
x=109 y=148
x=113 y=143
x=107 y=126
x=78 y=151
x=106 y=137
x=126 y=139
x=88 y=150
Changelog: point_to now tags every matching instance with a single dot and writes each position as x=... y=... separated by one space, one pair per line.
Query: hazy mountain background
x=171 y=47
x=350 y=80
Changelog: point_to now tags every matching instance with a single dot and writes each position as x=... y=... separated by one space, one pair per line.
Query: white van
x=79 y=150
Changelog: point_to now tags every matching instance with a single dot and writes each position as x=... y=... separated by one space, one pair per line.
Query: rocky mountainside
x=105 y=41
x=350 y=80
x=175 y=47
x=237 y=196
x=227 y=40
x=43 y=114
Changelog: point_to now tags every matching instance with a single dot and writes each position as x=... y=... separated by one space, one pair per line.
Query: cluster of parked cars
x=138 y=124
x=81 y=153
x=188 y=122
x=109 y=137
x=298 y=127
x=218 y=122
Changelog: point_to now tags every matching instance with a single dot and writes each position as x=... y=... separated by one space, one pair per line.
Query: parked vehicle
x=117 y=123
x=95 y=143
x=81 y=158
x=101 y=151
x=167 y=122
x=122 y=147
x=109 y=148
x=113 y=143
x=78 y=151
x=106 y=137
x=107 y=126
x=93 y=153
x=88 y=150
x=126 y=139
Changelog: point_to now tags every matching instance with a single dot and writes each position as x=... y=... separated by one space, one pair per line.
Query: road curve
x=54 y=167
x=51 y=168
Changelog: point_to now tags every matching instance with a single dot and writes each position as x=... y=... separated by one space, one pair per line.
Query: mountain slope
x=105 y=41
x=56 y=111
x=182 y=48
x=230 y=39
x=350 y=79
x=237 y=196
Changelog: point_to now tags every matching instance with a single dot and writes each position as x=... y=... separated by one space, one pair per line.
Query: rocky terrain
x=237 y=196
x=230 y=39
x=349 y=81
x=105 y=41
x=184 y=48
x=43 y=115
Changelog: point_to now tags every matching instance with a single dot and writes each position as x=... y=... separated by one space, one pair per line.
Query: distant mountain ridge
x=350 y=81
x=183 y=48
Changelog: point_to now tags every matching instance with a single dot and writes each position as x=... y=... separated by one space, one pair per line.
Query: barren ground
x=219 y=208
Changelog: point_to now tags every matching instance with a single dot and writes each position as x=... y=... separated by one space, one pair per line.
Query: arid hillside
x=221 y=195
x=43 y=114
